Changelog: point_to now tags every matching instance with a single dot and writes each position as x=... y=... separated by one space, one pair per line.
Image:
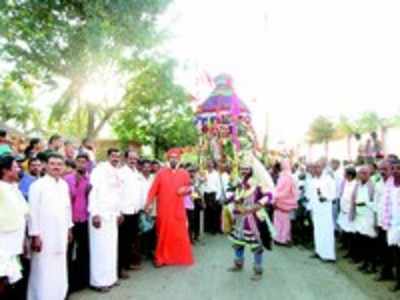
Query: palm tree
x=369 y=122
x=322 y=130
x=347 y=128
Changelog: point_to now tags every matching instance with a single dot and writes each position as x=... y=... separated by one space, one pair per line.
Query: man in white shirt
x=322 y=193
x=365 y=219
x=105 y=206
x=347 y=227
x=338 y=176
x=383 y=192
x=50 y=229
x=393 y=233
x=132 y=204
x=13 y=213
x=212 y=189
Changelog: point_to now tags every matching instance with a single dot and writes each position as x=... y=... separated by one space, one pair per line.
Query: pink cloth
x=188 y=202
x=79 y=191
x=384 y=215
x=283 y=226
x=286 y=194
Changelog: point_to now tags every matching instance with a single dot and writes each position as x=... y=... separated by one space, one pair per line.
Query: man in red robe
x=170 y=185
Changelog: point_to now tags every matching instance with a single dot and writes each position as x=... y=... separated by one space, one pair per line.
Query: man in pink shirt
x=79 y=187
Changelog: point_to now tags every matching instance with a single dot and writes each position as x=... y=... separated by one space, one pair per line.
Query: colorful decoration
x=224 y=122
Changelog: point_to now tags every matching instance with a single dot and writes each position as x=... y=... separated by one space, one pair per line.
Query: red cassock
x=173 y=243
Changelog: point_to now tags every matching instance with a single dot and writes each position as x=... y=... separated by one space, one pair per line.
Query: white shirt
x=395 y=209
x=383 y=190
x=363 y=195
x=132 y=193
x=393 y=233
x=338 y=176
x=105 y=198
x=51 y=214
x=224 y=185
x=11 y=243
x=326 y=185
x=345 y=200
x=213 y=182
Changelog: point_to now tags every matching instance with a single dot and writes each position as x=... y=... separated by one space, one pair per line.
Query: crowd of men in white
x=55 y=211
x=61 y=205
x=361 y=204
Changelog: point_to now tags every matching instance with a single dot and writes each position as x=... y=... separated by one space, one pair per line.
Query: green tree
x=322 y=130
x=16 y=104
x=369 y=122
x=347 y=128
x=156 y=111
x=75 y=41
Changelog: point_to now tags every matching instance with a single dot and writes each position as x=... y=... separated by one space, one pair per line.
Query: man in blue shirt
x=34 y=171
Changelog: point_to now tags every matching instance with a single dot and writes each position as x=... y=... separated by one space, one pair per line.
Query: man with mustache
x=50 y=229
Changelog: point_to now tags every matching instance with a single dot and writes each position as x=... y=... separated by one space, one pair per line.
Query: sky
x=298 y=59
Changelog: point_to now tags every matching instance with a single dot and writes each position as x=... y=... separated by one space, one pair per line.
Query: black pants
x=396 y=256
x=79 y=258
x=198 y=207
x=18 y=290
x=128 y=235
x=190 y=218
x=12 y=292
x=369 y=251
x=302 y=228
x=356 y=247
x=148 y=243
x=22 y=285
x=212 y=214
x=385 y=255
x=347 y=242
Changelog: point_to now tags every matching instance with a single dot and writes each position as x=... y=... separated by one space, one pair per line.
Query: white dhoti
x=104 y=253
x=365 y=222
x=345 y=224
x=48 y=279
x=324 y=230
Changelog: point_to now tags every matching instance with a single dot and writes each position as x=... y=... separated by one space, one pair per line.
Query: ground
x=290 y=274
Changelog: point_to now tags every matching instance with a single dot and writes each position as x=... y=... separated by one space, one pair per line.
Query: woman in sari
x=285 y=201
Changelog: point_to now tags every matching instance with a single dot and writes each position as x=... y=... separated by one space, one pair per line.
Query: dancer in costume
x=251 y=225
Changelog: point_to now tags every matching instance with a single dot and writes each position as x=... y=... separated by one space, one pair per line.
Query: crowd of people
x=355 y=204
x=69 y=222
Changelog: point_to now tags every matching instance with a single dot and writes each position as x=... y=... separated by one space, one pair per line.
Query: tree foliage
x=16 y=103
x=72 y=40
x=322 y=130
x=345 y=126
x=156 y=110
x=369 y=122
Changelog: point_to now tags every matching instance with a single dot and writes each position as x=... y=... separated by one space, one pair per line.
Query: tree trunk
x=383 y=139
x=156 y=147
x=326 y=149
x=103 y=121
x=349 y=146
x=91 y=120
